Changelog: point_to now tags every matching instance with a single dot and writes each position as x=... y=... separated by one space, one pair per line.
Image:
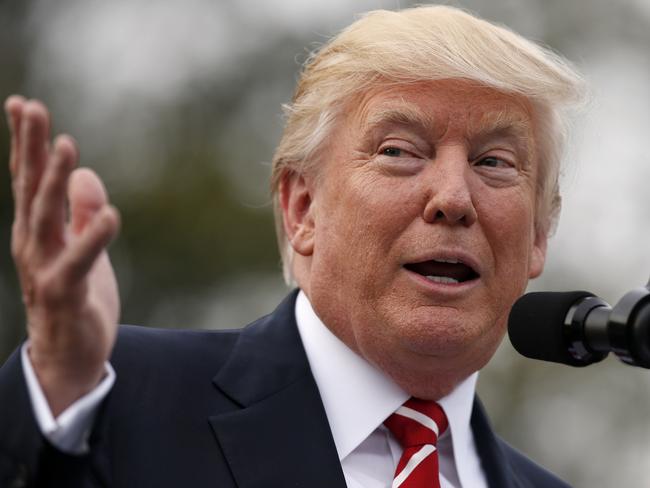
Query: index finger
x=14 y=109
x=31 y=157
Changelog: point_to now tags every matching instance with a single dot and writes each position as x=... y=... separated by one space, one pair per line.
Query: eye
x=399 y=157
x=393 y=151
x=497 y=169
x=493 y=162
x=400 y=150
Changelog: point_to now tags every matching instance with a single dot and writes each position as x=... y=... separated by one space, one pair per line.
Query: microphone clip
x=592 y=328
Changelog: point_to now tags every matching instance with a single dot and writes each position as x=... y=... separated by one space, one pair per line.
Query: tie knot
x=417 y=422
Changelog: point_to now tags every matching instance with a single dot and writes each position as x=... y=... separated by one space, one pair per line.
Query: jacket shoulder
x=153 y=360
x=530 y=473
x=503 y=465
x=137 y=343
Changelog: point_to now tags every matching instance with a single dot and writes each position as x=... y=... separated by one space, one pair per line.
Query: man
x=415 y=187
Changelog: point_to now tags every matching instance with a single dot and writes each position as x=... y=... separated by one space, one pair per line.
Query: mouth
x=445 y=271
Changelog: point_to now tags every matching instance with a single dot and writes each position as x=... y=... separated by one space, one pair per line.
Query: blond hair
x=419 y=44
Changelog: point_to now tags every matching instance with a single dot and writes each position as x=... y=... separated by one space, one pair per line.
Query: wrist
x=63 y=381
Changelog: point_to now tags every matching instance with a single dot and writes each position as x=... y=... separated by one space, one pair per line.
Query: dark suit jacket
x=209 y=409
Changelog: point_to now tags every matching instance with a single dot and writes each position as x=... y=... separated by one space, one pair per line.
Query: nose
x=450 y=196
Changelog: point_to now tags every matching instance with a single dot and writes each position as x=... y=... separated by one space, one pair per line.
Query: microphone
x=578 y=328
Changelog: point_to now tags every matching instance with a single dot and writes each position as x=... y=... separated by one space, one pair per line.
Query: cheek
x=343 y=233
x=370 y=210
x=359 y=222
x=508 y=226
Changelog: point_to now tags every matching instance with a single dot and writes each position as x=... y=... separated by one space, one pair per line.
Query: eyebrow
x=502 y=124
x=505 y=124
x=405 y=114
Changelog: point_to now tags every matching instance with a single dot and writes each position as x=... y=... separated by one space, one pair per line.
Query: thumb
x=87 y=195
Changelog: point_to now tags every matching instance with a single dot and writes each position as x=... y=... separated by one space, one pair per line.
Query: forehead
x=443 y=108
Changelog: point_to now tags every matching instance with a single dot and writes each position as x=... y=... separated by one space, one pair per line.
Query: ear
x=537 y=257
x=297 y=212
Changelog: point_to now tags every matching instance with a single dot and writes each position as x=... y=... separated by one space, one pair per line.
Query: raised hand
x=68 y=285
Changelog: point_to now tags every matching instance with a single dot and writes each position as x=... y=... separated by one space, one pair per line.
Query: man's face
x=420 y=229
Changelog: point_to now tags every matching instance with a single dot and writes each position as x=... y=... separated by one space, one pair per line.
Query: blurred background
x=177 y=106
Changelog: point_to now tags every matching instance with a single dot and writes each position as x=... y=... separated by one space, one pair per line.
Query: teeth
x=451 y=261
x=442 y=279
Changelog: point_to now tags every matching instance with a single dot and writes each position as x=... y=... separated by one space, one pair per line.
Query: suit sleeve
x=27 y=458
x=70 y=430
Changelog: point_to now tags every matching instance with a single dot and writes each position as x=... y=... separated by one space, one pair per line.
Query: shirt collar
x=358 y=397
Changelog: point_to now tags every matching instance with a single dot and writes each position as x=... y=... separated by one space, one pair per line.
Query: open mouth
x=447 y=271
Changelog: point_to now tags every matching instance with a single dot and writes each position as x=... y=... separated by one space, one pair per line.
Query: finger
x=87 y=195
x=14 y=108
x=82 y=252
x=48 y=214
x=32 y=154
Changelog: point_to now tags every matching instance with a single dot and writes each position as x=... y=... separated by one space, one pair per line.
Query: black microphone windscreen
x=536 y=324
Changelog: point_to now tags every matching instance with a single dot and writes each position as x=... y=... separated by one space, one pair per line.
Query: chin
x=441 y=331
x=430 y=381
x=432 y=390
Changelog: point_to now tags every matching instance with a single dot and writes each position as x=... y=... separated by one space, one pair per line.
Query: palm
x=68 y=284
x=102 y=306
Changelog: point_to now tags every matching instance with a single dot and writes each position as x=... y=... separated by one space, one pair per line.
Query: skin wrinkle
x=515 y=128
x=452 y=45
x=369 y=220
x=507 y=126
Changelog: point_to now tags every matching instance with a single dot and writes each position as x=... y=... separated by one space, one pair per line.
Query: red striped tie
x=417 y=425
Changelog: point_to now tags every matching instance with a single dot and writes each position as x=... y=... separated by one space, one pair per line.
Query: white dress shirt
x=357 y=398
x=70 y=430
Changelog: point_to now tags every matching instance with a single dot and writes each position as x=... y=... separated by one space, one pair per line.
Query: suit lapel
x=280 y=436
x=495 y=463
